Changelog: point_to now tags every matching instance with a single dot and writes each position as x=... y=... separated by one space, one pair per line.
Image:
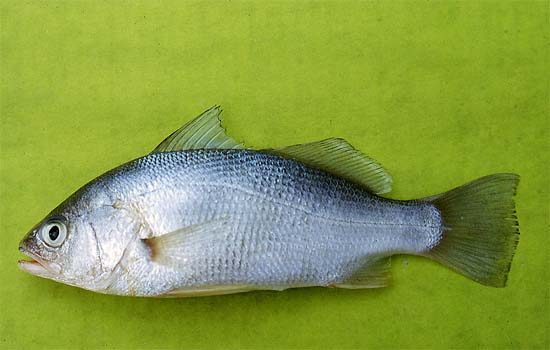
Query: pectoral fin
x=171 y=249
x=205 y=131
x=338 y=157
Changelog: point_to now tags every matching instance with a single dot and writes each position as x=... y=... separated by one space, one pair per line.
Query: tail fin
x=480 y=228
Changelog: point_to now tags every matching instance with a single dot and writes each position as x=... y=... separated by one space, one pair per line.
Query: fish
x=203 y=214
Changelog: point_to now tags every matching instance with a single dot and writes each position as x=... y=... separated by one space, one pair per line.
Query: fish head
x=79 y=243
x=58 y=250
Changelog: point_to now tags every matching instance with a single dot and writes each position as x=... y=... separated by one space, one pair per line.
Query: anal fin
x=373 y=274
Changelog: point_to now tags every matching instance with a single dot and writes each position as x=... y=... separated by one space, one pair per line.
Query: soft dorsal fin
x=205 y=131
x=338 y=157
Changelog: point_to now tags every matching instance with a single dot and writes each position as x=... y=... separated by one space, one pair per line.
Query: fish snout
x=38 y=264
x=28 y=244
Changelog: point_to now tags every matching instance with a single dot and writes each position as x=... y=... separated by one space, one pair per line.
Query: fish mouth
x=33 y=267
x=37 y=266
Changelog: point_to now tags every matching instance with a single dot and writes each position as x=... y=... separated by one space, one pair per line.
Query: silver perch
x=203 y=215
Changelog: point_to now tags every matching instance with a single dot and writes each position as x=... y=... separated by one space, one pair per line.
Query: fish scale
x=279 y=224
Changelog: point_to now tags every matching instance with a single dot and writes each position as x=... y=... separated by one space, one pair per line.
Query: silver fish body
x=284 y=224
x=215 y=221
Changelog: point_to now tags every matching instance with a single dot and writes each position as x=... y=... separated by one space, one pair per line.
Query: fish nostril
x=22 y=246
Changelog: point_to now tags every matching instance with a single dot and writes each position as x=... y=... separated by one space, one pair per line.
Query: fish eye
x=53 y=233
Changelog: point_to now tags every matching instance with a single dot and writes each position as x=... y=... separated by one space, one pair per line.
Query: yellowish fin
x=375 y=273
x=480 y=229
x=338 y=157
x=203 y=132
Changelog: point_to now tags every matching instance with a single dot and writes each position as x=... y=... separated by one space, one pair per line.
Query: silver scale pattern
x=284 y=224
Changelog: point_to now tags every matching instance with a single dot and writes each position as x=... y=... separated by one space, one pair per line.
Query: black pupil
x=54 y=232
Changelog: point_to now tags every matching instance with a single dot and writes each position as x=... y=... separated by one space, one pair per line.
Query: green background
x=440 y=93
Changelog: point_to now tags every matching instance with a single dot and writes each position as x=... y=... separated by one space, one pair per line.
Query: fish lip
x=37 y=265
x=34 y=268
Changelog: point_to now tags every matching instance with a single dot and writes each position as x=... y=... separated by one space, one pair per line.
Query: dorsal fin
x=338 y=157
x=205 y=131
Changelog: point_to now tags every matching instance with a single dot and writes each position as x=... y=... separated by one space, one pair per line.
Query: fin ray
x=338 y=157
x=205 y=131
x=372 y=274
x=168 y=249
x=480 y=229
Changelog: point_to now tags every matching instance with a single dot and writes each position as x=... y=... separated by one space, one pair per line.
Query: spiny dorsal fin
x=372 y=274
x=338 y=157
x=205 y=131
